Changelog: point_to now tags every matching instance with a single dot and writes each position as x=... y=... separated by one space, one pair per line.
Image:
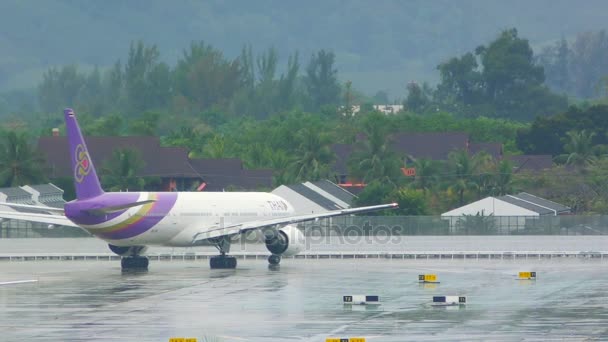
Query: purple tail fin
x=85 y=178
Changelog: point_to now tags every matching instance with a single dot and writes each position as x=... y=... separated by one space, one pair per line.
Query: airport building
x=505 y=213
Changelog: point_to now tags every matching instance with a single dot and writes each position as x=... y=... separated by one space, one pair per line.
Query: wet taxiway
x=302 y=301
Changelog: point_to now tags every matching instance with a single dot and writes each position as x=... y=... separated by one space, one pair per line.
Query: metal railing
x=463 y=225
x=388 y=225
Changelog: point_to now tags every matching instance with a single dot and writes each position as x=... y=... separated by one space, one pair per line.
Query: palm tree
x=120 y=172
x=426 y=174
x=373 y=158
x=313 y=155
x=466 y=172
x=19 y=163
x=280 y=162
x=503 y=182
x=484 y=168
x=579 y=149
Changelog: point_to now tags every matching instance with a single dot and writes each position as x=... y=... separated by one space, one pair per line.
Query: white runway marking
x=18 y=282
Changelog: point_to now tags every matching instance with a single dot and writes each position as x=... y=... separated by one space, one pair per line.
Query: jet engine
x=287 y=241
x=128 y=250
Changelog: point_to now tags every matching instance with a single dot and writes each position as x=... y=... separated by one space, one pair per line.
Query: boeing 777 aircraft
x=130 y=221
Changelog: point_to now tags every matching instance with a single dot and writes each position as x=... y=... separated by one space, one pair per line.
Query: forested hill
x=379 y=45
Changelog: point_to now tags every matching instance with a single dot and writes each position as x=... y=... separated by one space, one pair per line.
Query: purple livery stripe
x=143 y=220
x=74 y=210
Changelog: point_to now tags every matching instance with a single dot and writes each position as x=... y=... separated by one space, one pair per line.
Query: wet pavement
x=302 y=301
x=315 y=244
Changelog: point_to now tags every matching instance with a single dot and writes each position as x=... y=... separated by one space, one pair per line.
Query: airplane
x=131 y=221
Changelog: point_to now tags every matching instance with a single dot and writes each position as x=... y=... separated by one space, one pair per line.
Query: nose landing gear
x=274 y=260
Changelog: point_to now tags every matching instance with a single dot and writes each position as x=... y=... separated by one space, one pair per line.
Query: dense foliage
x=287 y=117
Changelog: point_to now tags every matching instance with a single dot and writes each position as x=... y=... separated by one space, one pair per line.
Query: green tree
x=146 y=80
x=546 y=134
x=461 y=82
x=513 y=81
x=411 y=202
x=266 y=90
x=476 y=224
x=466 y=171
x=426 y=177
x=60 y=88
x=501 y=79
x=146 y=125
x=20 y=164
x=216 y=146
x=322 y=80
x=90 y=96
x=374 y=193
x=312 y=155
x=588 y=62
x=373 y=158
x=121 y=171
x=281 y=163
x=288 y=84
x=555 y=60
x=187 y=137
x=503 y=183
x=508 y=64
x=417 y=98
x=109 y=125
x=113 y=84
x=579 y=149
x=204 y=78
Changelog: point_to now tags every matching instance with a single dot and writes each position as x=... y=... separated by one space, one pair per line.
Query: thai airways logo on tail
x=85 y=178
x=83 y=163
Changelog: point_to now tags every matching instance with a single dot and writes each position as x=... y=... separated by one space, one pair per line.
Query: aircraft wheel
x=222 y=262
x=274 y=259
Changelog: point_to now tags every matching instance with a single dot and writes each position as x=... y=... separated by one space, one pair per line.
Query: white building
x=505 y=213
x=385 y=109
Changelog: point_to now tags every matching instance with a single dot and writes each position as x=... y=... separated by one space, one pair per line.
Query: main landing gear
x=132 y=259
x=134 y=263
x=222 y=261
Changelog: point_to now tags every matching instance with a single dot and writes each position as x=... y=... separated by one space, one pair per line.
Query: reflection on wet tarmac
x=302 y=301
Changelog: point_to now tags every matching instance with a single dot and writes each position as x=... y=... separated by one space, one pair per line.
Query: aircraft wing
x=58 y=220
x=283 y=221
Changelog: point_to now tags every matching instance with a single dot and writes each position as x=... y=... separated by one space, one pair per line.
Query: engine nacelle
x=128 y=250
x=287 y=241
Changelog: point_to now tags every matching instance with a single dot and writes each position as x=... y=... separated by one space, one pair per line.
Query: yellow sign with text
x=427 y=277
x=182 y=339
x=527 y=275
x=351 y=339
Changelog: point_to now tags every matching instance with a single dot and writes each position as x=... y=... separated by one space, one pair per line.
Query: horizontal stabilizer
x=56 y=220
x=33 y=207
x=113 y=209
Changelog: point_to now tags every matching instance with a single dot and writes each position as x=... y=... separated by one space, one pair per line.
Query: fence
x=463 y=225
x=388 y=225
